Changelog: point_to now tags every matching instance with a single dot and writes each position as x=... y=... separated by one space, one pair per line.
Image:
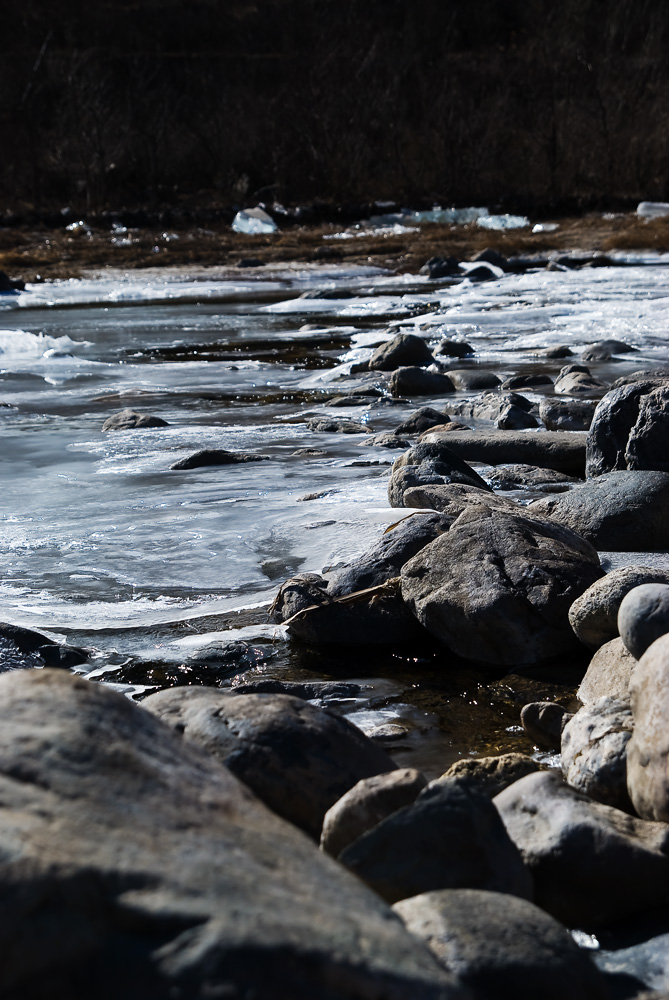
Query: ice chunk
x=545 y=227
x=253 y=221
x=503 y=221
x=652 y=209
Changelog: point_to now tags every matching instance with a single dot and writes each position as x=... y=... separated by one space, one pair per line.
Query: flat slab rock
x=136 y=866
x=497 y=587
x=563 y=451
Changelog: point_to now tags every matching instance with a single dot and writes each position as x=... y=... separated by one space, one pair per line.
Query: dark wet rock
x=576 y=380
x=64 y=657
x=618 y=511
x=407 y=477
x=629 y=429
x=229 y=657
x=649 y=375
x=490 y=256
x=122 y=840
x=603 y=350
x=452 y=425
x=334 y=425
x=483 y=272
x=648 y=749
x=453 y=498
x=572 y=845
x=366 y=804
x=339 y=401
x=216 y=456
x=309 y=690
x=308 y=453
x=441 y=267
x=567 y=414
x=594 y=615
x=455 y=348
x=404 y=349
x=563 y=451
x=414 y=381
x=512 y=418
x=555 y=353
x=451 y=837
x=635 y=955
x=471 y=379
x=297 y=758
x=521 y=477
x=8 y=284
x=128 y=419
x=643 y=616
x=440 y=460
x=491 y=775
x=389 y=732
x=386 y=439
x=501 y=946
x=250 y=262
x=22 y=649
x=497 y=587
x=385 y=559
x=527 y=381
x=374 y=616
x=543 y=721
x=422 y=420
x=594 y=751
x=490 y=405
x=608 y=673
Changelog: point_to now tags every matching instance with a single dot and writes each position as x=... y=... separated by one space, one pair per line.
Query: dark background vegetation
x=530 y=104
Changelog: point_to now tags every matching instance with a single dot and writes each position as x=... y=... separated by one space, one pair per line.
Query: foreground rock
x=563 y=451
x=622 y=511
x=594 y=615
x=128 y=419
x=119 y=838
x=216 y=456
x=629 y=429
x=608 y=673
x=502 y=946
x=648 y=749
x=643 y=616
x=366 y=804
x=497 y=587
x=450 y=838
x=572 y=846
x=594 y=751
x=298 y=759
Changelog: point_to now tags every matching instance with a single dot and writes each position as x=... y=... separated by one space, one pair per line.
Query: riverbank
x=47 y=253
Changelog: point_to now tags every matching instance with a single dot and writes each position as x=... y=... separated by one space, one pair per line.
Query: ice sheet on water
x=19 y=346
x=503 y=221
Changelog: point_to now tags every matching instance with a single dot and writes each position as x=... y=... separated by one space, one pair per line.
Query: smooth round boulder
x=608 y=673
x=298 y=759
x=594 y=615
x=501 y=946
x=455 y=348
x=497 y=587
x=415 y=381
x=422 y=420
x=643 y=616
x=470 y=379
x=617 y=511
x=543 y=721
x=128 y=419
x=648 y=749
x=594 y=751
x=451 y=837
x=577 y=380
x=366 y=804
x=404 y=349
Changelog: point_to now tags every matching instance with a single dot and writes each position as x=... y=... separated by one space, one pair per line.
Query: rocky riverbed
x=415 y=745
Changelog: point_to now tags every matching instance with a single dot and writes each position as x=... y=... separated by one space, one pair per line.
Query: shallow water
x=104 y=544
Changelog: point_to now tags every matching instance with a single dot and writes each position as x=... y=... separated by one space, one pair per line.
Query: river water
x=105 y=546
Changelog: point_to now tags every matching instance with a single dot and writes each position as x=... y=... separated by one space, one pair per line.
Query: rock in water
x=415 y=381
x=135 y=866
x=497 y=587
x=128 y=419
x=643 y=616
x=404 y=349
x=297 y=758
x=216 y=456
x=450 y=838
x=648 y=749
x=592 y=864
x=501 y=946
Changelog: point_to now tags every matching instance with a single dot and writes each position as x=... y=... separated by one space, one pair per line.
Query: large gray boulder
x=592 y=864
x=648 y=749
x=135 y=866
x=403 y=349
x=497 y=587
x=643 y=616
x=563 y=451
x=608 y=673
x=594 y=751
x=298 y=759
x=620 y=511
x=629 y=429
x=594 y=615
x=501 y=946
x=451 y=837
x=430 y=464
x=366 y=804
x=452 y=499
